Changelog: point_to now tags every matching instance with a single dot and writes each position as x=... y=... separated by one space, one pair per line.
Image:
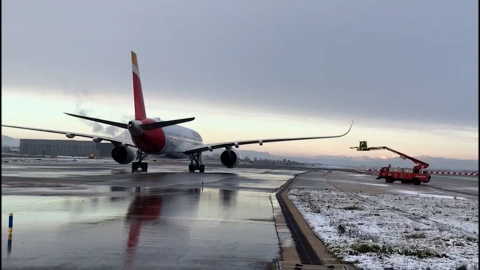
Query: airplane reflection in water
x=146 y=210
x=151 y=211
x=142 y=209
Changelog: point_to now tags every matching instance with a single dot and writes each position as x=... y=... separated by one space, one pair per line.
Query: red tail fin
x=140 y=113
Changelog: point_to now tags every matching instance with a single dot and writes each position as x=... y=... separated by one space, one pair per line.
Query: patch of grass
x=368 y=237
x=471 y=239
x=421 y=253
x=414 y=251
x=352 y=207
x=415 y=235
x=365 y=248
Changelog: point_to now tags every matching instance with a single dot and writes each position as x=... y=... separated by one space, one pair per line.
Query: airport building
x=64 y=148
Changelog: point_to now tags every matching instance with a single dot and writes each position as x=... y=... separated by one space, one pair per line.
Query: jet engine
x=123 y=154
x=230 y=158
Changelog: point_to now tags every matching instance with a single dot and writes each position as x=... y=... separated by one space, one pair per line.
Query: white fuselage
x=178 y=139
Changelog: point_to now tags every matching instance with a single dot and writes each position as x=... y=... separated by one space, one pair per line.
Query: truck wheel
x=389 y=179
x=416 y=181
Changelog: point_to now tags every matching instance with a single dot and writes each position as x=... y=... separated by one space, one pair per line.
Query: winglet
x=351 y=125
x=140 y=113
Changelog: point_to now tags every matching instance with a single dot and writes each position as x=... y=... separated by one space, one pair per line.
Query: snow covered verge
x=392 y=231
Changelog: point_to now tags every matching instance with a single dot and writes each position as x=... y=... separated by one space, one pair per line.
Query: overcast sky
x=406 y=71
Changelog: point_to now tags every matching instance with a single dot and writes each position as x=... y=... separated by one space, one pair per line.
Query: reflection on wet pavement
x=143 y=221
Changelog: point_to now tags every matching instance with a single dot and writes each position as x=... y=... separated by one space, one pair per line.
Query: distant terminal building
x=65 y=148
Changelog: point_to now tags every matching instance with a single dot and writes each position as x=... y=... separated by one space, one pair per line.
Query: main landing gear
x=196 y=162
x=143 y=165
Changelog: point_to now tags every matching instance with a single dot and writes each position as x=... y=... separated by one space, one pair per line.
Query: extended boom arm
x=363 y=147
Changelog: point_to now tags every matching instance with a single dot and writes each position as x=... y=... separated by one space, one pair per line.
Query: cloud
x=113 y=131
x=398 y=63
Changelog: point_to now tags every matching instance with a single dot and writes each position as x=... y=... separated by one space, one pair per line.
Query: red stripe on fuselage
x=151 y=141
x=138 y=98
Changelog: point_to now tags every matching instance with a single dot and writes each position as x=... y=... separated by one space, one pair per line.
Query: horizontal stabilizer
x=162 y=124
x=116 y=124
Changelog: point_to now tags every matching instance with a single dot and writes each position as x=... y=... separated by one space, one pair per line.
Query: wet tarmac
x=441 y=186
x=87 y=215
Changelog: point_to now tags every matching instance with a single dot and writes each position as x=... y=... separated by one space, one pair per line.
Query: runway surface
x=95 y=214
x=70 y=215
x=439 y=186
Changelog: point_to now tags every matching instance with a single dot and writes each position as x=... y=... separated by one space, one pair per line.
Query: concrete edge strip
x=303 y=248
x=323 y=255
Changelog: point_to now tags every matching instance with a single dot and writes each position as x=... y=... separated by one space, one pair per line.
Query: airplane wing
x=96 y=138
x=236 y=144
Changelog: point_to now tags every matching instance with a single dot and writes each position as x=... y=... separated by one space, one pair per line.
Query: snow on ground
x=393 y=231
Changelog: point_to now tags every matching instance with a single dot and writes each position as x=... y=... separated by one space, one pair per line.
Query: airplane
x=154 y=136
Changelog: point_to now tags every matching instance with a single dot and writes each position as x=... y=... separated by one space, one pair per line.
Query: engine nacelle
x=123 y=154
x=229 y=158
x=70 y=135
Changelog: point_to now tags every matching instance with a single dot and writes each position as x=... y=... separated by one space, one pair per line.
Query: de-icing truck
x=406 y=176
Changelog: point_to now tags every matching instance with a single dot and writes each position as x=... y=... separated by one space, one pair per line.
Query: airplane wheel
x=134 y=167
x=202 y=168
x=191 y=168
x=144 y=166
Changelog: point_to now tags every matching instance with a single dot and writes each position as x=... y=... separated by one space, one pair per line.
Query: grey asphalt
x=77 y=215
x=91 y=214
x=439 y=186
